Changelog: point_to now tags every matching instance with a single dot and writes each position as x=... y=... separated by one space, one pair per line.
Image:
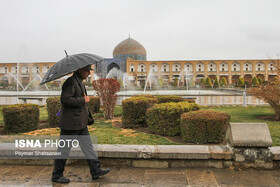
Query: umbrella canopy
x=70 y=64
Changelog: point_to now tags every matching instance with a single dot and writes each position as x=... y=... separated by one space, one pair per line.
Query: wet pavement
x=19 y=175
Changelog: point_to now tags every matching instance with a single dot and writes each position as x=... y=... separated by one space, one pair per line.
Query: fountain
x=185 y=75
x=115 y=73
x=10 y=76
x=39 y=78
x=150 y=80
x=95 y=77
x=125 y=80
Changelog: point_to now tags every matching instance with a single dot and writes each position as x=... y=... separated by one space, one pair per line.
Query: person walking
x=74 y=119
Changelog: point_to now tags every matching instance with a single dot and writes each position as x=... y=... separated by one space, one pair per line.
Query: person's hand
x=86 y=98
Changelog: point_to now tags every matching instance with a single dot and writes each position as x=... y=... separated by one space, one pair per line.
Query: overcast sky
x=40 y=30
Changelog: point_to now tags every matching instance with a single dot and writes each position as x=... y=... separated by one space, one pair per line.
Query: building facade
x=130 y=57
x=230 y=69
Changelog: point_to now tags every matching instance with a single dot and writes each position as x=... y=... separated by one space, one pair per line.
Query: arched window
x=176 y=67
x=164 y=67
x=188 y=67
x=131 y=68
x=141 y=67
x=154 y=67
x=235 y=66
x=224 y=66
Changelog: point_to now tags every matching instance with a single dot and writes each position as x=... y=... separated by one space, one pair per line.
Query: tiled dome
x=130 y=48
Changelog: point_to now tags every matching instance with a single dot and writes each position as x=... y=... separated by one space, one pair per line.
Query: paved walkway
x=18 y=175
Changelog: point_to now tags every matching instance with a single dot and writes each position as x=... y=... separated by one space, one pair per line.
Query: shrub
x=223 y=82
x=204 y=126
x=106 y=89
x=208 y=83
x=53 y=106
x=255 y=81
x=164 y=119
x=202 y=82
x=94 y=104
x=241 y=82
x=260 y=80
x=134 y=111
x=216 y=83
x=21 y=117
x=270 y=93
x=144 y=95
x=169 y=98
x=190 y=100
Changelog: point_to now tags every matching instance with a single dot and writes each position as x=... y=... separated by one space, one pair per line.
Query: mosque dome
x=130 y=48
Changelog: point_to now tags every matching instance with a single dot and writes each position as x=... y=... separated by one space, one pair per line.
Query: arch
x=199 y=67
x=234 y=79
x=35 y=69
x=164 y=67
x=260 y=66
x=4 y=69
x=111 y=66
x=154 y=67
x=188 y=67
x=271 y=77
x=212 y=77
x=176 y=67
x=141 y=67
x=4 y=81
x=46 y=67
x=14 y=69
x=225 y=76
x=224 y=66
x=25 y=69
x=248 y=77
x=199 y=76
x=131 y=68
x=261 y=76
x=247 y=66
x=212 y=67
x=271 y=66
x=235 y=67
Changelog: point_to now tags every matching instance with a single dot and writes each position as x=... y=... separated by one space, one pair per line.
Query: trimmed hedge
x=94 y=105
x=204 y=126
x=169 y=98
x=21 y=117
x=134 y=111
x=164 y=119
x=190 y=100
x=53 y=106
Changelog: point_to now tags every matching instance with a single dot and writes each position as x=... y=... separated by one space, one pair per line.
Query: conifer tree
x=208 y=82
x=260 y=80
x=223 y=82
x=255 y=81
x=216 y=83
x=241 y=82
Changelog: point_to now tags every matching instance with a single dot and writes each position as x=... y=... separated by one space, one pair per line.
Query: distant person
x=74 y=119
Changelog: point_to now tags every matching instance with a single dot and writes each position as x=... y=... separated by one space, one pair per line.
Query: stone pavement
x=19 y=175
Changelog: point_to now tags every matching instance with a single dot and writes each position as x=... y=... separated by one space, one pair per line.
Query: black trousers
x=86 y=147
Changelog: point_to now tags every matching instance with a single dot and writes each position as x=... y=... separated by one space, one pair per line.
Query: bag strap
x=80 y=84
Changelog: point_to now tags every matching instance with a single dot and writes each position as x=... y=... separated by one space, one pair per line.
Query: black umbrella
x=70 y=64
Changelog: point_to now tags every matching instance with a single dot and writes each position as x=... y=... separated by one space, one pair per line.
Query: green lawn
x=108 y=134
x=250 y=114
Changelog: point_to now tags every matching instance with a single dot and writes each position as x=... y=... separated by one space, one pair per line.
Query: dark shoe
x=100 y=173
x=61 y=180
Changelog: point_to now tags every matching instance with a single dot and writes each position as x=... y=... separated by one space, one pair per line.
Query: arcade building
x=130 y=57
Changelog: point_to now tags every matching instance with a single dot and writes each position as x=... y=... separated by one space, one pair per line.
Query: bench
x=39 y=99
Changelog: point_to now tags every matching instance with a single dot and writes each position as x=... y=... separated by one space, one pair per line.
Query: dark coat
x=74 y=112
